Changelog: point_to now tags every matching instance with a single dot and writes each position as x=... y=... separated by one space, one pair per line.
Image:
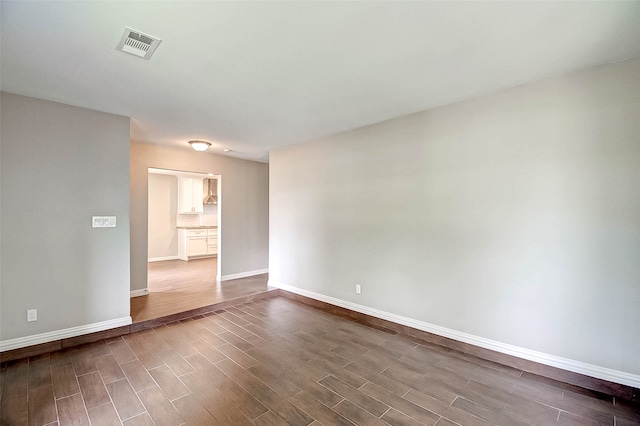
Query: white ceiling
x=252 y=76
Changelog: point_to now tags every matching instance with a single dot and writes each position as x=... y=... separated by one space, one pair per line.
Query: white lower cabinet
x=201 y=242
x=196 y=247
x=212 y=241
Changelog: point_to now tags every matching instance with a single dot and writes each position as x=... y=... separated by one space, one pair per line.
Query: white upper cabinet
x=190 y=195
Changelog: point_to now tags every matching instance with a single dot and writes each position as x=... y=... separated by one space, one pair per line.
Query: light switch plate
x=103 y=221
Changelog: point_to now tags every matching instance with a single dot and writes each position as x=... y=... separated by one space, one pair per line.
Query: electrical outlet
x=358 y=289
x=32 y=315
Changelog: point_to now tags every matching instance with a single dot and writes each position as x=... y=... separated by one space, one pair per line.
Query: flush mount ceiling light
x=200 y=145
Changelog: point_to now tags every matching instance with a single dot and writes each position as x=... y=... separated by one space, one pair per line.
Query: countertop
x=198 y=227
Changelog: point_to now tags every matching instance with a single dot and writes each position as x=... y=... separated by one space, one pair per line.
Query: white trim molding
x=579 y=367
x=139 y=292
x=244 y=274
x=160 y=259
x=36 y=339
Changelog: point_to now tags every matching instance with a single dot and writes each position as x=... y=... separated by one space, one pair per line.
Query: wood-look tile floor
x=277 y=362
x=170 y=275
x=178 y=286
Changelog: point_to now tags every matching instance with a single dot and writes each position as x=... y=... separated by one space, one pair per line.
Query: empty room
x=319 y=213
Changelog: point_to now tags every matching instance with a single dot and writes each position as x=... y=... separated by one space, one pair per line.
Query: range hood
x=212 y=192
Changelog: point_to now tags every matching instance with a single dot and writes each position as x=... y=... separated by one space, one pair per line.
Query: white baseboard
x=579 y=367
x=160 y=259
x=36 y=339
x=244 y=274
x=139 y=292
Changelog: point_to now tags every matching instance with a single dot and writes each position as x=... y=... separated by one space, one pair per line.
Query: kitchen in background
x=183 y=222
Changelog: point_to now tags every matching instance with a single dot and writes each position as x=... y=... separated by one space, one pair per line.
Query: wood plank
x=82 y=360
x=175 y=362
x=274 y=380
x=193 y=412
x=138 y=375
x=412 y=410
x=279 y=405
x=121 y=351
x=140 y=420
x=104 y=415
x=353 y=395
x=64 y=381
x=93 y=390
x=445 y=410
x=172 y=387
x=39 y=373
x=72 y=411
x=269 y=419
x=318 y=411
x=108 y=368
x=218 y=390
x=384 y=382
x=145 y=353
x=221 y=407
x=159 y=408
x=396 y=418
x=357 y=415
x=124 y=399
x=13 y=405
x=42 y=406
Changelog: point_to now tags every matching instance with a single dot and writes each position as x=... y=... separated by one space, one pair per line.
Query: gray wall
x=244 y=206
x=163 y=208
x=514 y=217
x=60 y=166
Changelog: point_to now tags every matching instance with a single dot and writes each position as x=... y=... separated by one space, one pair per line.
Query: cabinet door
x=196 y=246
x=197 y=197
x=190 y=196
x=185 y=199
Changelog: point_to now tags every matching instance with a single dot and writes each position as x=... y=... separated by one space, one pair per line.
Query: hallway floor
x=177 y=286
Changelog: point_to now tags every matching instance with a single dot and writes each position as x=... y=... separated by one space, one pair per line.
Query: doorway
x=180 y=288
x=183 y=270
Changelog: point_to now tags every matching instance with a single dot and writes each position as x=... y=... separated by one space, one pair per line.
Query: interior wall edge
x=603 y=373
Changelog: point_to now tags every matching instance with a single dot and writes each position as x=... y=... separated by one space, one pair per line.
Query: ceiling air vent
x=137 y=43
